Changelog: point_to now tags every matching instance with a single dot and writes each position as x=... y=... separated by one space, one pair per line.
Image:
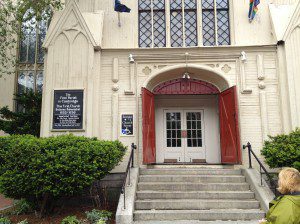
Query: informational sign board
x=68 y=110
x=127 y=124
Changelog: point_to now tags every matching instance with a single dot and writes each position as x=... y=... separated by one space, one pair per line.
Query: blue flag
x=120 y=7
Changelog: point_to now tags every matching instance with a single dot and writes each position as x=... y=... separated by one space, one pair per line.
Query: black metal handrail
x=273 y=184
x=127 y=173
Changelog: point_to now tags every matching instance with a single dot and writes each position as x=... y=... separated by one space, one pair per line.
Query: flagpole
x=119 y=19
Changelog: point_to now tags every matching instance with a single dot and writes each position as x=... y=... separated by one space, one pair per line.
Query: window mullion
x=168 y=22
x=199 y=24
x=152 y=24
x=216 y=22
x=183 y=23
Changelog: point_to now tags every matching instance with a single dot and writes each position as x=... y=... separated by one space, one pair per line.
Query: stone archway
x=206 y=81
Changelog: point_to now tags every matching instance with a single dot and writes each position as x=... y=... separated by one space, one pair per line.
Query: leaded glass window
x=183 y=21
x=152 y=24
x=215 y=22
x=31 y=55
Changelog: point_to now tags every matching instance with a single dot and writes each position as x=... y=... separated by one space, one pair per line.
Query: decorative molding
x=264 y=114
x=115 y=77
x=226 y=68
x=132 y=68
x=244 y=89
x=115 y=87
x=260 y=67
x=147 y=71
x=262 y=85
x=114 y=116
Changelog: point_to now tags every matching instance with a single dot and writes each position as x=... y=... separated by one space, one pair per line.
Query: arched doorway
x=190 y=119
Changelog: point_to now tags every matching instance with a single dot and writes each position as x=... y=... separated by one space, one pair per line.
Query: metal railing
x=127 y=173
x=273 y=184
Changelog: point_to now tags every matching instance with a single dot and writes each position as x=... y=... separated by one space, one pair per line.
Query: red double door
x=229 y=129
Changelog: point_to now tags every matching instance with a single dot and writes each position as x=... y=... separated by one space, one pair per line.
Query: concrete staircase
x=195 y=195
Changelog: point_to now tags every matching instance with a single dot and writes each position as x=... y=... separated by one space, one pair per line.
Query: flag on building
x=120 y=7
x=253 y=9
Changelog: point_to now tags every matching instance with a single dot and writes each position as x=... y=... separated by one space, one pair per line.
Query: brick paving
x=5 y=202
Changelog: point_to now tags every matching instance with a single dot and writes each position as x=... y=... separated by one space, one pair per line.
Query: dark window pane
x=42 y=36
x=39 y=81
x=23 y=47
x=30 y=81
x=191 y=28
x=198 y=124
x=176 y=4
x=159 y=29
x=208 y=29
x=158 y=4
x=21 y=82
x=223 y=28
x=144 y=4
x=189 y=142
x=174 y=124
x=198 y=116
x=179 y=125
x=194 y=134
x=199 y=142
x=145 y=29
x=193 y=125
x=189 y=125
x=173 y=142
x=176 y=29
x=178 y=142
x=168 y=142
x=194 y=142
x=168 y=134
x=173 y=134
x=189 y=133
x=178 y=134
x=168 y=125
x=222 y=4
x=199 y=134
x=190 y=4
x=208 y=4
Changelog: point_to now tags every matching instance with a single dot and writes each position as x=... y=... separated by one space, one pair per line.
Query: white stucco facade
x=87 y=50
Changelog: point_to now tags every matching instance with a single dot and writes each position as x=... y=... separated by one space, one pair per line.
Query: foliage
x=283 y=150
x=22 y=207
x=12 y=14
x=98 y=217
x=70 y=220
x=4 y=220
x=296 y=165
x=43 y=170
x=24 y=222
x=25 y=121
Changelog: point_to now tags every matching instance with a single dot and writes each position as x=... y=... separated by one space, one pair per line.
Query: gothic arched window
x=30 y=70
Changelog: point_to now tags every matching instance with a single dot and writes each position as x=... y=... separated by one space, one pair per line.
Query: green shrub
x=283 y=150
x=4 y=220
x=296 y=165
x=24 y=222
x=42 y=170
x=22 y=207
x=70 y=220
x=98 y=217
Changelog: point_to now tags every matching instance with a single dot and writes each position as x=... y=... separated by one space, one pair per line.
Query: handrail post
x=249 y=154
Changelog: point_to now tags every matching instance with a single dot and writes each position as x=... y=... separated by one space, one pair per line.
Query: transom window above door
x=183 y=23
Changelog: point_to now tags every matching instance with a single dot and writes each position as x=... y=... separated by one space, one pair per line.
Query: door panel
x=149 y=151
x=229 y=129
x=183 y=136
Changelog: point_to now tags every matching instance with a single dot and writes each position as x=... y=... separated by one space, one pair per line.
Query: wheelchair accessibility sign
x=127 y=125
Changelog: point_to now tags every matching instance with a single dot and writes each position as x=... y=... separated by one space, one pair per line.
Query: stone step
x=193 y=178
x=201 y=215
x=238 y=195
x=194 y=204
x=187 y=186
x=178 y=171
x=197 y=222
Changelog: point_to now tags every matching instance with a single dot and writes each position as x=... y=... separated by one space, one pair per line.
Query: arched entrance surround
x=203 y=80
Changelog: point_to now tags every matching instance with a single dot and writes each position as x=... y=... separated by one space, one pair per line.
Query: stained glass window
x=215 y=22
x=152 y=24
x=31 y=55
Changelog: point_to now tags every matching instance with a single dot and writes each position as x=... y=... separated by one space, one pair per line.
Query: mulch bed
x=79 y=211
